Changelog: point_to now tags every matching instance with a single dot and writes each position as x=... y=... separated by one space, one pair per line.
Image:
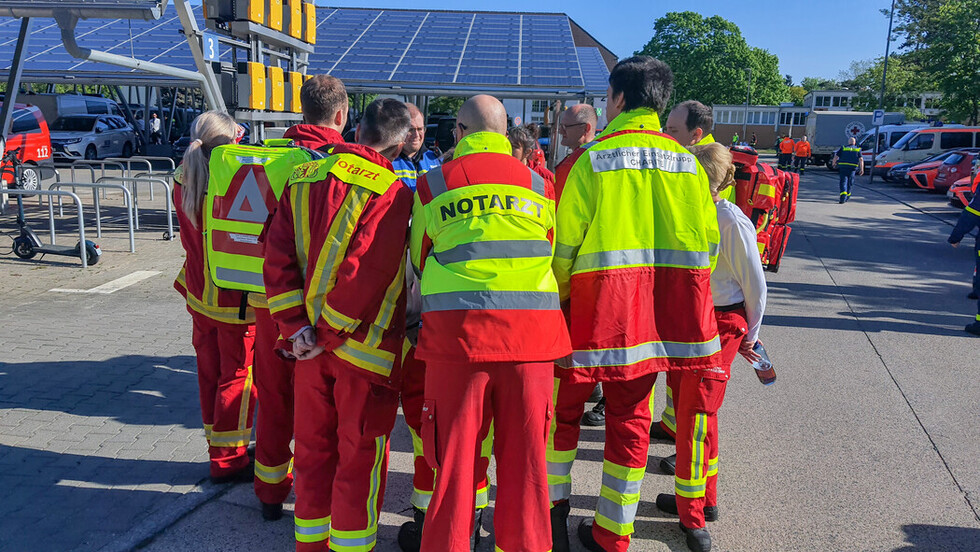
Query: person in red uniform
x=577 y=127
x=522 y=148
x=224 y=329
x=333 y=273
x=536 y=157
x=738 y=290
x=324 y=103
x=482 y=228
x=787 y=146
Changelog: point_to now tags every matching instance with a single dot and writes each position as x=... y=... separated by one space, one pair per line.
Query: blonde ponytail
x=208 y=131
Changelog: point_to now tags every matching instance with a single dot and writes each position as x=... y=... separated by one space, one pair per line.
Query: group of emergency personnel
x=487 y=298
x=793 y=155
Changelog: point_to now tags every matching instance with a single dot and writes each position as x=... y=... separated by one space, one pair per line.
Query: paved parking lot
x=868 y=441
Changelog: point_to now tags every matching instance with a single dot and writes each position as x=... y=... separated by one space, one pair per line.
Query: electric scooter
x=27 y=245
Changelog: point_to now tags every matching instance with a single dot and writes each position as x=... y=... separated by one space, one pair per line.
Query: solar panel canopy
x=399 y=51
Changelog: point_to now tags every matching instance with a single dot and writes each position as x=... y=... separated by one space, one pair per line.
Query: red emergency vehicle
x=29 y=134
x=953 y=168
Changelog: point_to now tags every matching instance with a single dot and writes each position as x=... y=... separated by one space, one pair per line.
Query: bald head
x=577 y=125
x=851 y=141
x=481 y=113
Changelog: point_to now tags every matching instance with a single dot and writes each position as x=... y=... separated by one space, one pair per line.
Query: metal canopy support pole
x=13 y=80
x=209 y=84
x=146 y=115
x=881 y=97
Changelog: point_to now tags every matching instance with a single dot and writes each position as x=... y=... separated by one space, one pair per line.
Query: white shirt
x=739 y=276
x=154 y=125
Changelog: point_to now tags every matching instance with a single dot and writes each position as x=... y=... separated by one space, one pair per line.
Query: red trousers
x=342 y=422
x=274 y=423
x=628 y=417
x=697 y=400
x=460 y=401
x=423 y=480
x=224 y=380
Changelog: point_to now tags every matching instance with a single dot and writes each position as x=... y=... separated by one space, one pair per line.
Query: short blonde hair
x=717 y=163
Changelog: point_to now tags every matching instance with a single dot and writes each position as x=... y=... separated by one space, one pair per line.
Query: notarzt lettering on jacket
x=363 y=172
x=466 y=205
x=643 y=158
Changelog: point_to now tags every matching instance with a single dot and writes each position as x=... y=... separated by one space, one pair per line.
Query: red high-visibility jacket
x=313 y=136
x=194 y=279
x=787 y=145
x=803 y=149
x=335 y=253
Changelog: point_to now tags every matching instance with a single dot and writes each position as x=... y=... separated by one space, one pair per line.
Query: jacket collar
x=313 y=136
x=362 y=151
x=482 y=142
x=642 y=118
x=708 y=139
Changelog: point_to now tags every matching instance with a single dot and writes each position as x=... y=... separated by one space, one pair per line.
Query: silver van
x=92 y=137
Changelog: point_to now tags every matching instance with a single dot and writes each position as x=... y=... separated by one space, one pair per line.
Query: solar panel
x=369 y=48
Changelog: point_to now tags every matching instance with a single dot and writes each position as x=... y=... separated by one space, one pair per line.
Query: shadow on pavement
x=939 y=537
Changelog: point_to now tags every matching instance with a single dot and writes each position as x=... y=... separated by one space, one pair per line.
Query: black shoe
x=668 y=465
x=272 y=512
x=668 y=503
x=596 y=395
x=973 y=328
x=251 y=451
x=843 y=198
x=410 y=533
x=698 y=540
x=597 y=416
x=973 y=295
x=585 y=535
x=658 y=432
x=559 y=527
x=244 y=475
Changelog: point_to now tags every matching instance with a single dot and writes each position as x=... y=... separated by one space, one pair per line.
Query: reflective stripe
x=363 y=356
x=490 y=300
x=421 y=499
x=437 y=182
x=697 y=456
x=559 y=491
x=208 y=428
x=352 y=544
x=619 y=485
x=633 y=257
x=482 y=498
x=334 y=248
x=972 y=210
x=622 y=514
x=380 y=454
x=494 y=249
x=239 y=276
x=767 y=190
x=273 y=475
x=234 y=438
x=644 y=351
x=338 y=320
x=285 y=301
x=713 y=466
x=300 y=195
x=689 y=490
x=559 y=468
x=244 y=418
x=312 y=530
x=563 y=251
x=537 y=184
x=558 y=462
x=643 y=158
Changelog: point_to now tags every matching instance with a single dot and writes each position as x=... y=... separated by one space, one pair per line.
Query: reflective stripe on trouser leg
x=559 y=461
x=363 y=540
x=421 y=497
x=273 y=475
x=618 y=498
x=668 y=417
x=694 y=487
x=483 y=464
x=312 y=530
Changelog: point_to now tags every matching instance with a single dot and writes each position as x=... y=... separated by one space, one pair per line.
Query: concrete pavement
x=868 y=440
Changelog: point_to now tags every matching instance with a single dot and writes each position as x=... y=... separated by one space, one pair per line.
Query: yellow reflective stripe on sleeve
x=285 y=301
x=273 y=475
x=972 y=210
x=338 y=320
x=312 y=530
x=387 y=310
x=368 y=358
x=300 y=195
x=235 y=438
x=244 y=420
x=713 y=466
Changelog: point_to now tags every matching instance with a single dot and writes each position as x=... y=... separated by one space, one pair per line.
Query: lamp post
x=881 y=96
x=748 y=95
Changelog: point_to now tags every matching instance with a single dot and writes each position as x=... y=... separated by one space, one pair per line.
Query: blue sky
x=812 y=39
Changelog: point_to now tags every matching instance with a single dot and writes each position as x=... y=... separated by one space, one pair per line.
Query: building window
x=539 y=105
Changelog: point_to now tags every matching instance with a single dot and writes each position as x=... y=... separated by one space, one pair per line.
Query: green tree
x=446 y=104
x=943 y=38
x=814 y=83
x=905 y=83
x=796 y=94
x=711 y=61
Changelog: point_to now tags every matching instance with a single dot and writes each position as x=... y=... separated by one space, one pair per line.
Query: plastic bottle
x=763 y=367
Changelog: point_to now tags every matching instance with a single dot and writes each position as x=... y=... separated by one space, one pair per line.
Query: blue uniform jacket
x=969 y=219
x=408 y=170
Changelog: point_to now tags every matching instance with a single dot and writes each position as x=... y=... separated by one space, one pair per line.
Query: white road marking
x=115 y=285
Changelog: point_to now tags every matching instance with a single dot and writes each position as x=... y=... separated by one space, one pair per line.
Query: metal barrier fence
x=81 y=222
x=134 y=182
x=98 y=210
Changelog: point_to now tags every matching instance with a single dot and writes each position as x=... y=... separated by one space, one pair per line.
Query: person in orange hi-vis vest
x=802 y=153
x=786 y=148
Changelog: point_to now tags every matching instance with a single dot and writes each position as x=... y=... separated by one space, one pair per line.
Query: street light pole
x=881 y=96
x=748 y=95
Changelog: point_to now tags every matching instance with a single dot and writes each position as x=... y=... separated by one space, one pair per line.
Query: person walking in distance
x=786 y=148
x=334 y=264
x=224 y=331
x=738 y=290
x=482 y=228
x=849 y=162
x=324 y=104
x=801 y=155
x=622 y=334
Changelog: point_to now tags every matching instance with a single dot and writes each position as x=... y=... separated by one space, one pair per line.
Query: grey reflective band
x=652 y=257
x=366 y=357
x=436 y=181
x=559 y=469
x=495 y=249
x=339 y=543
x=644 y=351
x=537 y=184
x=318 y=530
x=563 y=251
x=559 y=492
x=689 y=488
x=621 y=514
x=240 y=276
x=490 y=300
x=620 y=486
